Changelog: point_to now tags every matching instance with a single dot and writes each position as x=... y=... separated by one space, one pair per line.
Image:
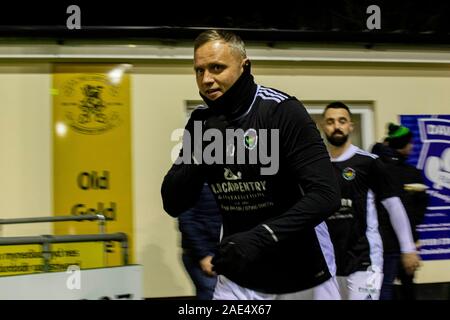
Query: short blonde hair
x=232 y=39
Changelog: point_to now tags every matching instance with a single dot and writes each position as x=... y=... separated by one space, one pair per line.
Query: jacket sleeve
x=308 y=161
x=387 y=191
x=400 y=223
x=199 y=226
x=194 y=234
x=183 y=183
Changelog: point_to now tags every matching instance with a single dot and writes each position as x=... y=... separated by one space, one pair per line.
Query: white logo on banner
x=437 y=170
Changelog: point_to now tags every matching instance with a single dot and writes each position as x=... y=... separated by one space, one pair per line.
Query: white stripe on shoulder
x=265 y=97
x=201 y=106
x=365 y=153
x=273 y=93
x=268 y=95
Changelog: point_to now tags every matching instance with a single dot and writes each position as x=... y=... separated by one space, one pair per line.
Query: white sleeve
x=373 y=233
x=400 y=223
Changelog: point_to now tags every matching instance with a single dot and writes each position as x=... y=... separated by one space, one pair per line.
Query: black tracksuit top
x=294 y=202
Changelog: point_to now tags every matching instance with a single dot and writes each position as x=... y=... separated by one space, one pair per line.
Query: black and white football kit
x=275 y=240
x=354 y=231
x=354 y=228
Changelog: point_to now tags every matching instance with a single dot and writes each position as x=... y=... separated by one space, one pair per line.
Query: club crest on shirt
x=229 y=175
x=250 y=138
x=348 y=174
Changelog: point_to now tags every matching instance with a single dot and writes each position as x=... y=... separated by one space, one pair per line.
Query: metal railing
x=47 y=240
x=91 y=217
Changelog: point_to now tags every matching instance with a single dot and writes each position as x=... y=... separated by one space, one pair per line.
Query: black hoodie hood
x=237 y=99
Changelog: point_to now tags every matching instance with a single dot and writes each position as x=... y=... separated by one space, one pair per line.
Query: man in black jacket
x=409 y=183
x=275 y=241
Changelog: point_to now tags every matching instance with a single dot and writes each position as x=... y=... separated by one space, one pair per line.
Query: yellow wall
x=159 y=91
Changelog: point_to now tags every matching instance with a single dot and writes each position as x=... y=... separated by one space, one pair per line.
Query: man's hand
x=238 y=252
x=206 y=266
x=230 y=258
x=411 y=262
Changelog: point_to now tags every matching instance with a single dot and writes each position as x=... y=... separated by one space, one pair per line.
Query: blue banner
x=431 y=154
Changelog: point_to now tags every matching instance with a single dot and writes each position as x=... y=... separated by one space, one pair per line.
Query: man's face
x=337 y=126
x=217 y=67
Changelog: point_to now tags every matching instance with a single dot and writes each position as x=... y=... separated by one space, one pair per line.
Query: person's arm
x=196 y=239
x=193 y=232
x=308 y=162
x=321 y=197
x=400 y=223
x=196 y=226
x=183 y=183
x=181 y=188
x=385 y=190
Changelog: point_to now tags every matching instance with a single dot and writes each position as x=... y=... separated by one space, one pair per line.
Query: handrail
x=46 y=240
x=101 y=218
x=119 y=236
x=90 y=217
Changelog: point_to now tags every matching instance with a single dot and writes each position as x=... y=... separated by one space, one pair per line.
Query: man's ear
x=352 y=126
x=246 y=63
